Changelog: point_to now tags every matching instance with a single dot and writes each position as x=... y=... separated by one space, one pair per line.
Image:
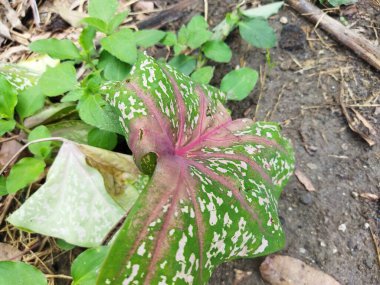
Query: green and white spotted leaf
x=86 y=193
x=213 y=193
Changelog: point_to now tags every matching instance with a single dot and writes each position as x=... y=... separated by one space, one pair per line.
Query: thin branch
x=26 y=146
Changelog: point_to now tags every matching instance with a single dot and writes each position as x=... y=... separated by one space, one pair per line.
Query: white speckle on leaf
x=141 y=250
x=262 y=247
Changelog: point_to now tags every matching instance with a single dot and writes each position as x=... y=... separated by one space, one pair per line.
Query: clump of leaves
x=225 y=178
x=204 y=188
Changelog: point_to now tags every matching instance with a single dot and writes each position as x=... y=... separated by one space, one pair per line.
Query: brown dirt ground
x=302 y=92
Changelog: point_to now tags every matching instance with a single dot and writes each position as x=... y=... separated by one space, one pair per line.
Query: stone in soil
x=306 y=199
x=292 y=38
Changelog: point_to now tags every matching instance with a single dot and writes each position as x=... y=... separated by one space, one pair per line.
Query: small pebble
x=345 y=146
x=313 y=148
x=312 y=166
x=306 y=199
x=302 y=250
x=335 y=250
x=369 y=263
x=322 y=243
x=366 y=226
x=354 y=194
x=283 y=20
x=342 y=228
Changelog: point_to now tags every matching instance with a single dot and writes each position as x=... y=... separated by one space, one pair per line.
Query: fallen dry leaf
x=8 y=149
x=143 y=6
x=369 y=196
x=286 y=270
x=358 y=123
x=304 y=180
x=63 y=9
x=8 y=252
x=12 y=16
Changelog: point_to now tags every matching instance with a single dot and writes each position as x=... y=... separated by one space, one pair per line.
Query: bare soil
x=302 y=92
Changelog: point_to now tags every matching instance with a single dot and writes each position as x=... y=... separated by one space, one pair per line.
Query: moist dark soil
x=329 y=228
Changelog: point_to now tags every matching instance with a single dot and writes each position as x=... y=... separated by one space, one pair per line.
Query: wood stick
x=171 y=14
x=361 y=46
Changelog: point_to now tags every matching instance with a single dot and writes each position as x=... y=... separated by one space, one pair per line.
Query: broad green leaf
x=8 y=98
x=148 y=38
x=3 y=186
x=170 y=39
x=94 y=111
x=197 y=32
x=20 y=273
x=74 y=130
x=71 y=181
x=337 y=3
x=85 y=267
x=25 y=171
x=50 y=114
x=122 y=45
x=86 y=39
x=213 y=193
x=96 y=23
x=193 y=35
x=73 y=95
x=30 y=101
x=41 y=149
x=258 y=33
x=237 y=84
x=6 y=126
x=64 y=245
x=116 y=21
x=101 y=9
x=60 y=49
x=225 y=27
x=58 y=80
x=203 y=75
x=102 y=139
x=217 y=51
x=264 y=11
x=91 y=83
x=184 y=63
x=113 y=68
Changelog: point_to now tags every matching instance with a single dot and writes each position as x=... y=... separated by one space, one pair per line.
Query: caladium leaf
x=215 y=182
x=75 y=204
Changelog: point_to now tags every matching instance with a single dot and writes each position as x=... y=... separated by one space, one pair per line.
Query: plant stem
x=28 y=144
x=22 y=127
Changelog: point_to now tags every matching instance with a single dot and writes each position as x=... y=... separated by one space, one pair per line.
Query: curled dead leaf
x=304 y=180
x=143 y=6
x=286 y=270
x=8 y=150
x=358 y=123
x=369 y=196
x=8 y=252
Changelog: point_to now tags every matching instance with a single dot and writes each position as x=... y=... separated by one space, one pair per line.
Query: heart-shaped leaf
x=213 y=193
x=75 y=203
x=20 y=273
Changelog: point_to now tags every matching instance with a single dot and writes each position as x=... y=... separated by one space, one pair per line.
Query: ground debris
x=369 y=196
x=286 y=270
x=304 y=180
x=240 y=275
x=8 y=252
